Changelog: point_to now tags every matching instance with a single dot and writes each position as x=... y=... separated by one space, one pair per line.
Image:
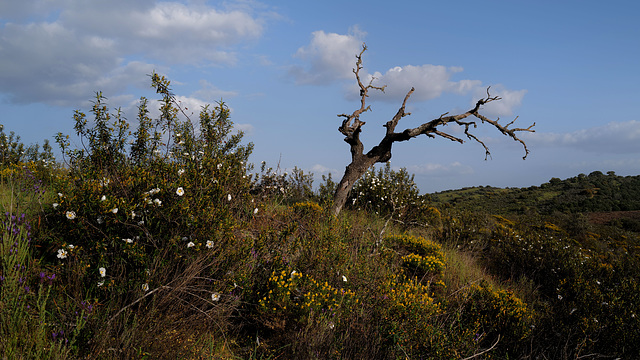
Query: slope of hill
x=596 y=192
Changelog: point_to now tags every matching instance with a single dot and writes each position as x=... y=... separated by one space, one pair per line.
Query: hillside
x=595 y=192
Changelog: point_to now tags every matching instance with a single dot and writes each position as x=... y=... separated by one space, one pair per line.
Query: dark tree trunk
x=352 y=173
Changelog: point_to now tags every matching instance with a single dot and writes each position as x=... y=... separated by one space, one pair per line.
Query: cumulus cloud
x=509 y=100
x=328 y=57
x=429 y=81
x=614 y=137
x=77 y=47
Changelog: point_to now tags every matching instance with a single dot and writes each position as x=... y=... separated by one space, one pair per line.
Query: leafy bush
x=501 y=316
x=275 y=184
x=131 y=207
x=390 y=193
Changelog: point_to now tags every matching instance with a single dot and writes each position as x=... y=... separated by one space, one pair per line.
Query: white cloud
x=329 y=57
x=441 y=170
x=77 y=47
x=429 y=81
x=321 y=169
x=211 y=93
x=247 y=129
x=614 y=137
x=509 y=100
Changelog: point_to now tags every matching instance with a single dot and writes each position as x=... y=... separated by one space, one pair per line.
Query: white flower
x=181 y=171
x=215 y=296
x=157 y=202
x=100 y=220
x=133 y=214
x=100 y=283
x=62 y=253
x=141 y=222
x=209 y=244
x=71 y=215
x=218 y=166
x=103 y=198
x=128 y=241
x=55 y=205
x=145 y=287
x=180 y=191
x=60 y=195
x=70 y=246
x=255 y=211
x=191 y=244
x=293 y=273
x=114 y=210
x=344 y=278
x=103 y=272
x=229 y=197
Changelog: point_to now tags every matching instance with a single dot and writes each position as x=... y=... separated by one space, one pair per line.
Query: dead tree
x=361 y=161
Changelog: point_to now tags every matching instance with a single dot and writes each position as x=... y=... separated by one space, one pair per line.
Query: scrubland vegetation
x=164 y=242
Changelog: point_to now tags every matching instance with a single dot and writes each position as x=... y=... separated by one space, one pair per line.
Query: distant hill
x=596 y=192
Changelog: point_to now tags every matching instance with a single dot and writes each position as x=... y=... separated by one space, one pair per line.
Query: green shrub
x=502 y=317
x=390 y=193
x=130 y=208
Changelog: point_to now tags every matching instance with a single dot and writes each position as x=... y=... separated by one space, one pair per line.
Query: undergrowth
x=160 y=243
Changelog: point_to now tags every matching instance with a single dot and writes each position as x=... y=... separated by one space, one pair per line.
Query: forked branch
x=351 y=128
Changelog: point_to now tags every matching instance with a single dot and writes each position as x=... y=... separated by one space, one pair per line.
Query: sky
x=285 y=70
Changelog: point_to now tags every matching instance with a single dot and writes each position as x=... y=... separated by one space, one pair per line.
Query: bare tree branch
x=352 y=126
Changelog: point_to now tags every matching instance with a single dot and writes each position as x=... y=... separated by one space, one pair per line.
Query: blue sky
x=285 y=70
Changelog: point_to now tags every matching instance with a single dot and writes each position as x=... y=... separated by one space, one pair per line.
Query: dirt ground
x=607 y=217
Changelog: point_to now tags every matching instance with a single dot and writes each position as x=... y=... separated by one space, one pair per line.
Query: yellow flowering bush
x=411 y=314
x=290 y=292
x=499 y=313
x=307 y=208
x=424 y=256
x=426 y=264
